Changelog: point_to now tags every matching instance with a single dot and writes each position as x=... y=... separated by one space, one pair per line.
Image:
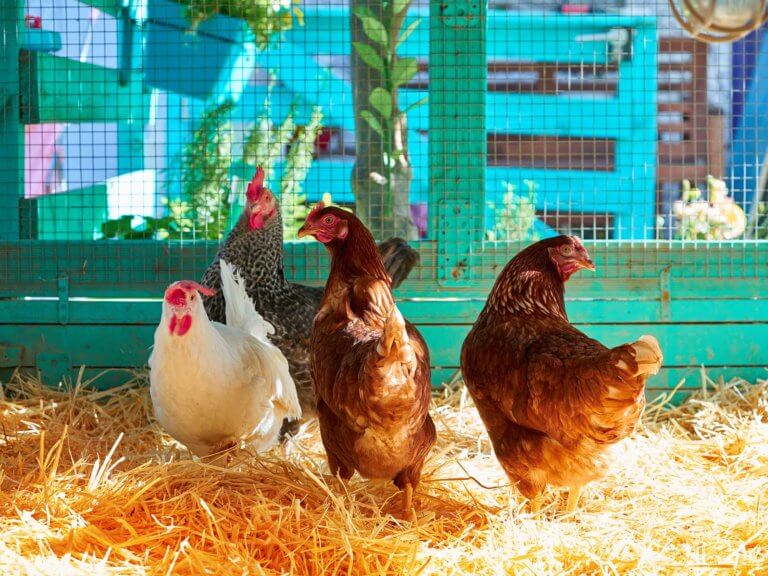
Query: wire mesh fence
x=146 y=120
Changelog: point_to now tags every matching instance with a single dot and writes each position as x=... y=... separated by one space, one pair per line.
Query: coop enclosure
x=130 y=128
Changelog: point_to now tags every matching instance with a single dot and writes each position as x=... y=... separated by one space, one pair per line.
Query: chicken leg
x=408 y=512
x=573 y=499
x=222 y=453
x=535 y=504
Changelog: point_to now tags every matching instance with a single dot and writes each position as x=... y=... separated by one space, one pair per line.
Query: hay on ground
x=90 y=485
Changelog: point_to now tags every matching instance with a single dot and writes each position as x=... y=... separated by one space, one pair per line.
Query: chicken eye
x=328 y=220
x=567 y=250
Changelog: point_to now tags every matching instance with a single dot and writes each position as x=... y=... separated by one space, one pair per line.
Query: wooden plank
x=422 y=311
x=686 y=347
x=687 y=151
x=549 y=152
x=34 y=39
x=687 y=380
x=667 y=380
x=63 y=90
x=680 y=172
x=145 y=268
x=512 y=35
x=683 y=344
x=683 y=108
x=535 y=114
x=96 y=378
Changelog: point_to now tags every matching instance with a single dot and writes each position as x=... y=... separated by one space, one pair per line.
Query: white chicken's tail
x=240 y=311
x=284 y=393
x=242 y=314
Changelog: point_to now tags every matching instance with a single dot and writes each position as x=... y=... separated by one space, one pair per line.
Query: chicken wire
x=139 y=124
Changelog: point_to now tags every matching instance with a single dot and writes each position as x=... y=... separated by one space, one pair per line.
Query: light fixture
x=719 y=20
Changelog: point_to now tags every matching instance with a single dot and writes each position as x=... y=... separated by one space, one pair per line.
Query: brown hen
x=370 y=367
x=255 y=249
x=552 y=399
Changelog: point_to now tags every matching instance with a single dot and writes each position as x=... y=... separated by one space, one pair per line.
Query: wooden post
x=457 y=136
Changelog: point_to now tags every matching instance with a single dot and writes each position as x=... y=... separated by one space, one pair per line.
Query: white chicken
x=214 y=385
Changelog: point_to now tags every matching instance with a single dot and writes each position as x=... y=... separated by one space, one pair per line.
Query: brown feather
x=370 y=368
x=551 y=398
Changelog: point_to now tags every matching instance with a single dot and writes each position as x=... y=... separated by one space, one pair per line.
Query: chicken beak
x=588 y=264
x=305 y=230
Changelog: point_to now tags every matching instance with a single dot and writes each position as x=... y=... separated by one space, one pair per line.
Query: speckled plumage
x=290 y=308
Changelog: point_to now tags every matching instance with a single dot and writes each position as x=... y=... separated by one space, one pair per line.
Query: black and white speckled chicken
x=255 y=249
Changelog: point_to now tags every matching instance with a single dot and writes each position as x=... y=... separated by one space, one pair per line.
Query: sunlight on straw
x=90 y=485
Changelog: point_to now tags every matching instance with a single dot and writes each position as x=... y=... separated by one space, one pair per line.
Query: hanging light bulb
x=719 y=20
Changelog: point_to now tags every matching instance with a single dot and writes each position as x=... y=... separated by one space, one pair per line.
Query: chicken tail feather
x=240 y=311
x=647 y=355
x=399 y=259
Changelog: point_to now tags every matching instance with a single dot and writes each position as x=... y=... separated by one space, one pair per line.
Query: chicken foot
x=222 y=453
x=535 y=503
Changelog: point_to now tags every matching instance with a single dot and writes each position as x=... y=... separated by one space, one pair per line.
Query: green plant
x=292 y=202
x=205 y=185
x=264 y=17
x=205 y=209
x=380 y=53
x=205 y=179
x=514 y=220
x=265 y=145
x=761 y=222
x=715 y=218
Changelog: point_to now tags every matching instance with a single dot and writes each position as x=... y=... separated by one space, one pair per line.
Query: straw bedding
x=90 y=485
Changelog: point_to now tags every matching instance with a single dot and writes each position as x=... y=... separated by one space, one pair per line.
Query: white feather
x=221 y=383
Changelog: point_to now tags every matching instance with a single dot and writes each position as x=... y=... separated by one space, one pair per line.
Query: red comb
x=315 y=210
x=192 y=285
x=256 y=186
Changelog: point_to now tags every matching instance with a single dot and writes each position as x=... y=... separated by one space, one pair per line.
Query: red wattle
x=256 y=221
x=180 y=326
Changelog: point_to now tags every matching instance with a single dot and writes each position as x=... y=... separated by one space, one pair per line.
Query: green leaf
x=364 y=12
x=408 y=31
x=374 y=29
x=116 y=228
x=369 y=55
x=404 y=70
x=372 y=122
x=399 y=5
x=381 y=100
x=420 y=102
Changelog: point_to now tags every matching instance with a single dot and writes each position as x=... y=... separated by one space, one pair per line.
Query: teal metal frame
x=66 y=304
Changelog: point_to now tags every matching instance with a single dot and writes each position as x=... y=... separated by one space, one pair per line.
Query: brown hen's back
x=371 y=370
x=289 y=307
x=552 y=399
